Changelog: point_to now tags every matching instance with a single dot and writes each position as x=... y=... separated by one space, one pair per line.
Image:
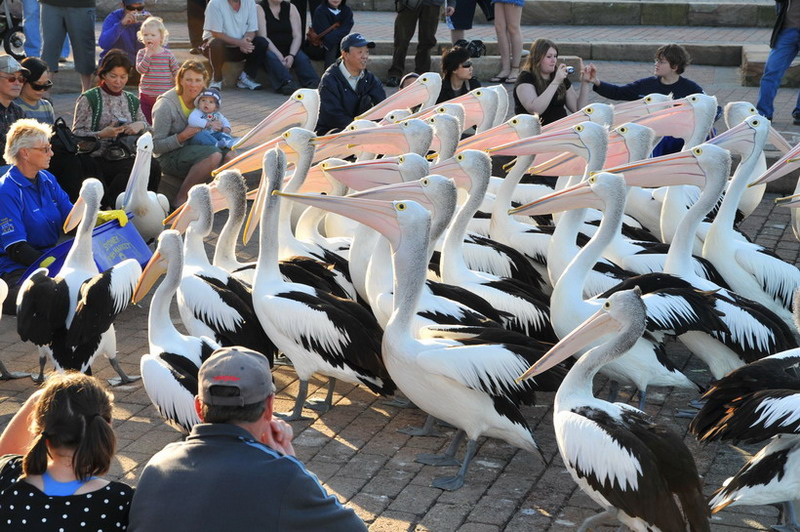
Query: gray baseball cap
x=234 y=376
x=9 y=65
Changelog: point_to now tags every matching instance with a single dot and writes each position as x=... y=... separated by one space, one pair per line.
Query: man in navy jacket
x=347 y=88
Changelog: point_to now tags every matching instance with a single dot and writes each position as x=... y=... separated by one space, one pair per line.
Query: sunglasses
x=41 y=86
x=466 y=64
x=11 y=79
x=134 y=8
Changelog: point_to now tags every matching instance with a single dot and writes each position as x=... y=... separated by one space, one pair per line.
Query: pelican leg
x=446 y=459
x=297 y=413
x=788 y=518
x=613 y=391
x=400 y=402
x=601 y=519
x=425 y=430
x=695 y=405
x=123 y=377
x=42 y=361
x=325 y=405
x=453 y=483
x=283 y=360
x=642 y=399
x=8 y=375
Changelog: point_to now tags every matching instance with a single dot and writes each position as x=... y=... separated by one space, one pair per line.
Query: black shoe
x=796 y=119
x=196 y=51
x=393 y=81
x=288 y=88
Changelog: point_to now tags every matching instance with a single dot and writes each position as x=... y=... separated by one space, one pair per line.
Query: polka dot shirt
x=23 y=507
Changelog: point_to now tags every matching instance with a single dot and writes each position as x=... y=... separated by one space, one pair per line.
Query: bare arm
x=17 y=436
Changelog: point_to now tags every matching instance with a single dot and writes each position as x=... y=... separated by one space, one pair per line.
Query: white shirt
x=221 y=18
x=351 y=79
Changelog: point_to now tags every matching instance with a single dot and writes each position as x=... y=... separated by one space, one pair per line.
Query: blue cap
x=357 y=40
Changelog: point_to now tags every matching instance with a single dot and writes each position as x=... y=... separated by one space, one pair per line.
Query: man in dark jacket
x=785 y=42
x=347 y=88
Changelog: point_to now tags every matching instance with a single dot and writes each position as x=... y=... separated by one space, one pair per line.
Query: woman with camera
x=543 y=88
x=114 y=117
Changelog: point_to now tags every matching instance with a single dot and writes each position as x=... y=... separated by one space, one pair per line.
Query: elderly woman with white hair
x=33 y=206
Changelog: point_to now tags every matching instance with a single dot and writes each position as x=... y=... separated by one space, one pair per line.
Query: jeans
x=780 y=58
x=207 y=137
x=30 y=26
x=219 y=52
x=279 y=75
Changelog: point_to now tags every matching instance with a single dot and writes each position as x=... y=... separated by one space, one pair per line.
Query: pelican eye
x=299 y=96
x=424 y=79
x=755 y=122
x=648 y=99
x=286 y=135
x=698 y=151
x=592 y=180
x=514 y=121
x=622 y=129
x=589 y=110
x=459 y=157
x=400 y=206
x=441 y=110
x=478 y=93
x=579 y=128
x=401 y=159
x=425 y=181
x=693 y=99
x=607 y=305
x=323 y=193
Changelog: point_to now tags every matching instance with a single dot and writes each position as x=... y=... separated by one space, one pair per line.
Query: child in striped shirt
x=155 y=63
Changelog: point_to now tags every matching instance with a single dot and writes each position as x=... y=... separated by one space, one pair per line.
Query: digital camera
x=570 y=70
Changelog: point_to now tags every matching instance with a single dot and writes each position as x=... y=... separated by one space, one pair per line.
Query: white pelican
x=318 y=332
x=632 y=467
x=169 y=370
x=469 y=385
x=148 y=208
x=301 y=109
x=423 y=92
x=784 y=166
x=71 y=318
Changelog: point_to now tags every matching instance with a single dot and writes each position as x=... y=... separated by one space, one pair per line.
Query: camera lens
x=570 y=70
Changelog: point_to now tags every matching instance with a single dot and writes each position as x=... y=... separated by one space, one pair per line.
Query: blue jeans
x=207 y=137
x=279 y=75
x=30 y=26
x=786 y=47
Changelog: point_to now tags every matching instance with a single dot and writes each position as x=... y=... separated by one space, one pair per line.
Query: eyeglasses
x=12 y=79
x=44 y=149
x=134 y=8
x=41 y=86
x=466 y=64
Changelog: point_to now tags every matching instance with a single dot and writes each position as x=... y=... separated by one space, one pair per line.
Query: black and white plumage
x=639 y=472
x=169 y=370
x=468 y=383
x=71 y=317
x=318 y=332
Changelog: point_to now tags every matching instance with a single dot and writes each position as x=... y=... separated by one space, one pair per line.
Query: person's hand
x=150 y=48
x=288 y=61
x=188 y=132
x=216 y=125
x=560 y=74
x=134 y=128
x=448 y=11
x=590 y=74
x=128 y=19
x=107 y=216
x=246 y=45
x=278 y=437
x=110 y=132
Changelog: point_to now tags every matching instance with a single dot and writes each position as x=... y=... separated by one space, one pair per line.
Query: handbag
x=313 y=44
x=65 y=142
x=122 y=147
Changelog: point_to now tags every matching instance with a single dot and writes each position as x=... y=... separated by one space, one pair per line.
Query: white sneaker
x=246 y=83
x=215 y=85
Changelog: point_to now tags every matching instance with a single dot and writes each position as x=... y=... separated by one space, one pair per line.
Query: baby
x=216 y=128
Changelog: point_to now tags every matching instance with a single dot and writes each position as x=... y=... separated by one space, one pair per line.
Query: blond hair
x=158 y=22
x=25 y=133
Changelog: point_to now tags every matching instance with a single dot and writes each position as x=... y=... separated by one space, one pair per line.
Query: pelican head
x=168 y=251
x=274 y=169
x=599 y=113
x=446 y=134
x=300 y=110
x=634 y=110
x=746 y=138
x=391 y=139
x=622 y=311
x=197 y=213
x=584 y=139
x=515 y=128
x=471 y=170
x=599 y=190
x=502 y=104
x=88 y=203
x=478 y=104
x=737 y=112
x=423 y=91
x=388 y=170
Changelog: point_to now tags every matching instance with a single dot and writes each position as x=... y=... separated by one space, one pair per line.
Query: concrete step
x=754 y=57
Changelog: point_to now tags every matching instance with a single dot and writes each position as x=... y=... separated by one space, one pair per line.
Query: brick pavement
x=355 y=449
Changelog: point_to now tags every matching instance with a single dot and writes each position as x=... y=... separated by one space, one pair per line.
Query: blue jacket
x=339 y=104
x=115 y=35
x=324 y=19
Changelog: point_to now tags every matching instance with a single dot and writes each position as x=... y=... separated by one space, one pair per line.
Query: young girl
x=155 y=63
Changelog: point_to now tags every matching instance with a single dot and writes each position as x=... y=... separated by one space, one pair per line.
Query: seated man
x=120 y=27
x=229 y=34
x=236 y=471
x=347 y=88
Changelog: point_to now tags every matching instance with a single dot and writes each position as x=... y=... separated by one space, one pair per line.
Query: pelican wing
x=490 y=256
x=170 y=381
x=42 y=307
x=101 y=299
x=777 y=278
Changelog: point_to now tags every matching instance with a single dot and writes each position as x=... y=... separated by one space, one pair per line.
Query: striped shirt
x=158 y=72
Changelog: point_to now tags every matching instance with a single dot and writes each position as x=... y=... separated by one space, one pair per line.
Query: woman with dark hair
x=52 y=451
x=107 y=113
x=457 y=74
x=192 y=163
x=543 y=88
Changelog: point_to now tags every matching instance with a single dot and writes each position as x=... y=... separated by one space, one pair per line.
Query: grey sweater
x=168 y=121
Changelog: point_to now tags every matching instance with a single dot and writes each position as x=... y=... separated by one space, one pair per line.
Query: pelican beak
x=174 y=214
x=254 y=218
x=672 y=121
x=377 y=214
x=473 y=112
x=415 y=94
x=155 y=268
x=738 y=139
x=788 y=201
x=597 y=326
x=251 y=159
x=251 y=195
x=785 y=165
x=292 y=113
x=412 y=190
x=75 y=215
x=186 y=216
x=389 y=139
x=552 y=142
x=575 y=197
x=139 y=175
x=680 y=168
x=367 y=174
x=316 y=181
x=453 y=169
x=564 y=164
x=218 y=200
x=638 y=109
x=777 y=140
x=500 y=134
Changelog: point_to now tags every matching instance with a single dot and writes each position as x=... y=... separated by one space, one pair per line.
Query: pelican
x=632 y=467
x=467 y=384
x=300 y=110
x=148 y=208
x=423 y=92
x=318 y=332
x=784 y=166
x=71 y=317
x=169 y=370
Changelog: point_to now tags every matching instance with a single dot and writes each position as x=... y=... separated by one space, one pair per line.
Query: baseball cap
x=234 y=369
x=357 y=40
x=9 y=65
